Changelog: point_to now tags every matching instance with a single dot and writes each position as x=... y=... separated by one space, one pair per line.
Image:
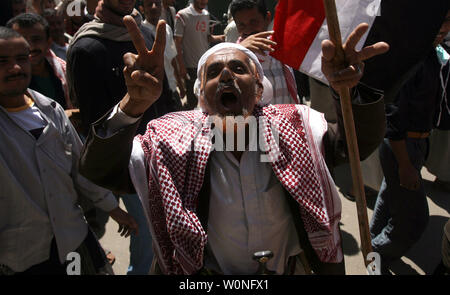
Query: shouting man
x=209 y=210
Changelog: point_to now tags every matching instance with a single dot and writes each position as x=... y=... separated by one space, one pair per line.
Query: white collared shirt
x=248 y=213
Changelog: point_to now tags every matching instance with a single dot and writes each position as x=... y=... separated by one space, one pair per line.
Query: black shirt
x=416 y=104
x=49 y=86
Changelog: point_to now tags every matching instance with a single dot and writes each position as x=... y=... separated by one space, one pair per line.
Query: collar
x=195 y=12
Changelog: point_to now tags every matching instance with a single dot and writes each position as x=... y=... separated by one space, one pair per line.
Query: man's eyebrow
x=238 y=62
x=215 y=64
x=233 y=62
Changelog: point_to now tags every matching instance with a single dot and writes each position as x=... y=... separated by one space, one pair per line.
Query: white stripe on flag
x=351 y=13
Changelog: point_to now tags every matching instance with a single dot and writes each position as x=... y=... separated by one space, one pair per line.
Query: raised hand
x=258 y=43
x=349 y=75
x=143 y=72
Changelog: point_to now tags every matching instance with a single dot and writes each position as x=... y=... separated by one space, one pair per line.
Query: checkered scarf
x=177 y=147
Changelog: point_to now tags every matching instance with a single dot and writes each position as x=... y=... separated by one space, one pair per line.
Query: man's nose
x=14 y=67
x=226 y=75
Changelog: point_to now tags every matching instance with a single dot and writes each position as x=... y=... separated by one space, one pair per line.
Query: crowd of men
x=102 y=102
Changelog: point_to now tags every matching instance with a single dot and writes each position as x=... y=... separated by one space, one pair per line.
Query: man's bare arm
x=216 y=38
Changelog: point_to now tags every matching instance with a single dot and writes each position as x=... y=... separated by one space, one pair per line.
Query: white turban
x=268 y=90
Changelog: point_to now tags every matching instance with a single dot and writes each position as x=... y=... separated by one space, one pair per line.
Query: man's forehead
x=36 y=28
x=13 y=46
x=227 y=54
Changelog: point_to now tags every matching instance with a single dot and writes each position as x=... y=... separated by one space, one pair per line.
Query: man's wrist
x=132 y=108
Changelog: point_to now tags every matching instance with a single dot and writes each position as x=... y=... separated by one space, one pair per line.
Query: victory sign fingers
x=144 y=71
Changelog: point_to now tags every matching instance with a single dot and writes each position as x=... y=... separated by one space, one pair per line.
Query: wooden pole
x=349 y=125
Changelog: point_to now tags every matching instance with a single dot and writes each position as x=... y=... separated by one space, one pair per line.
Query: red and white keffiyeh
x=177 y=147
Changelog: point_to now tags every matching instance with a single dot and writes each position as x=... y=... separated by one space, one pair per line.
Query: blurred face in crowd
x=18 y=7
x=152 y=10
x=251 y=21
x=169 y=2
x=121 y=7
x=57 y=30
x=15 y=67
x=40 y=5
x=445 y=28
x=200 y=4
x=230 y=86
x=49 y=4
x=37 y=39
x=91 y=5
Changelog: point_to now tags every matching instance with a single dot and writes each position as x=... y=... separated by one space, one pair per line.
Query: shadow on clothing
x=343 y=180
x=426 y=253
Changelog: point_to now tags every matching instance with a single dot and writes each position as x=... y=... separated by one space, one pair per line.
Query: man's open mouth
x=228 y=99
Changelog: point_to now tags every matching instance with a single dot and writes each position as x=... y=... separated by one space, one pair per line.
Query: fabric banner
x=300 y=27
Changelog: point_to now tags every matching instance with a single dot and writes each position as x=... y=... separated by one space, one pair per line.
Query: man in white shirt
x=203 y=203
x=40 y=220
x=192 y=38
x=152 y=10
x=253 y=20
x=169 y=13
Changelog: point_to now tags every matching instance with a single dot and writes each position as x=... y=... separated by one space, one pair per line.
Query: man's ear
x=259 y=91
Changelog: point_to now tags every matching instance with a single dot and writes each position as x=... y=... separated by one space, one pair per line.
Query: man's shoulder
x=290 y=111
x=177 y=119
x=90 y=44
x=47 y=105
x=184 y=12
x=177 y=124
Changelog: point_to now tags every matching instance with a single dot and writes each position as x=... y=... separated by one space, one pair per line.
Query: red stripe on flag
x=296 y=25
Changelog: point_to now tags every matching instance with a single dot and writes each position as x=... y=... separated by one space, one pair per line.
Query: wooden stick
x=349 y=125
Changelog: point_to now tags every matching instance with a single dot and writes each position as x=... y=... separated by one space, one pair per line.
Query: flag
x=300 y=27
x=408 y=26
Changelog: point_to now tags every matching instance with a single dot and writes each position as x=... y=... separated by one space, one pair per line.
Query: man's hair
x=8 y=33
x=18 y=1
x=27 y=20
x=49 y=12
x=238 y=5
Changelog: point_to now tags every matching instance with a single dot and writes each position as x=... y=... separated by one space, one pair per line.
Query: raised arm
x=107 y=150
x=368 y=107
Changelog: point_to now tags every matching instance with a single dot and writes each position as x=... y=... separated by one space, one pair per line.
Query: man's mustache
x=230 y=84
x=16 y=76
